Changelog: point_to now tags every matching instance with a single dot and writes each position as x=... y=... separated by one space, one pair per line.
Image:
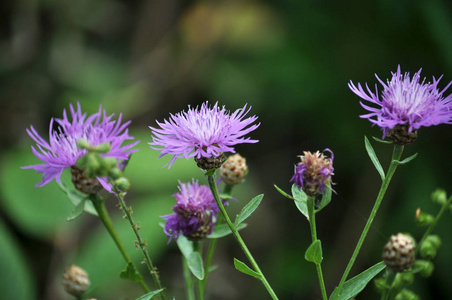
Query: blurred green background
x=290 y=60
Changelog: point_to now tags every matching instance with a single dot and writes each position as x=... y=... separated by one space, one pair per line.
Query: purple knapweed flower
x=406 y=102
x=194 y=213
x=313 y=173
x=203 y=132
x=61 y=151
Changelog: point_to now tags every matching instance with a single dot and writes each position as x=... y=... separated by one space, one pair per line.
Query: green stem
x=197 y=247
x=141 y=243
x=396 y=154
x=390 y=277
x=105 y=218
x=318 y=267
x=188 y=280
x=235 y=233
x=430 y=228
x=213 y=242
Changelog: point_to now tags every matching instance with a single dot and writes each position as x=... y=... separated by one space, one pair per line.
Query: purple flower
x=314 y=172
x=194 y=213
x=202 y=132
x=406 y=102
x=61 y=151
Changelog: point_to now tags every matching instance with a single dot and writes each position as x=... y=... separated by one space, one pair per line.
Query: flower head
x=314 y=172
x=194 y=213
x=406 y=103
x=62 y=152
x=202 y=132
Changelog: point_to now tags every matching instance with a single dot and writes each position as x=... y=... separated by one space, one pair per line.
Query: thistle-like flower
x=194 y=213
x=314 y=172
x=62 y=152
x=406 y=105
x=202 y=133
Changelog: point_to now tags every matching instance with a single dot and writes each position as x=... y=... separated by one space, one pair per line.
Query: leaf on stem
x=406 y=160
x=194 y=260
x=300 y=199
x=326 y=199
x=373 y=157
x=314 y=253
x=354 y=286
x=242 y=267
x=76 y=198
x=150 y=295
x=77 y=211
x=283 y=193
x=382 y=141
x=248 y=209
x=222 y=230
x=130 y=273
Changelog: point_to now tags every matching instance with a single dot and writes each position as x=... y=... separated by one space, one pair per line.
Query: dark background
x=290 y=60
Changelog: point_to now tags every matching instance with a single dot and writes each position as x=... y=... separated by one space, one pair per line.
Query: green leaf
x=77 y=197
x=354 y=286
x=326 y=199
x=298 y=194
x=130 y=273
x=78 y=209
x=406 y=160
x=222 y=230
x=185 y=246
x=374 y=158
x=150 y=295
x=194 y=262
x=242 y=267
x=382 y=141
x=283 y=193
x=248 y=209
x=314 y=253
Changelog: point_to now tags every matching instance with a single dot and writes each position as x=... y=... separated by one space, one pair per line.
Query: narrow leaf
x=382 y=141
x=150 y=295
x=242 y=267
x=76 y=197
x=406 y=160
x=326 y=199
x=374 y=158
x=78 y=209
x=130 y=273
x=225 y=196
x=248 y=209
x=194 y=262
x=354 y=286
x=283 y=193
x=314 y=253
x=222 y=230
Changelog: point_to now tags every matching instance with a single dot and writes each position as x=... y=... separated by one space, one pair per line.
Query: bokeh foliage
x=290 y=60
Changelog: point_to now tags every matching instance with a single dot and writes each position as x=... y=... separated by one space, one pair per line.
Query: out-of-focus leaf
x=16 y=282
x=77 y=211
x=150 y=295
x=130 y=272
x=283 y=193
x=39 y=211
x=248 y=209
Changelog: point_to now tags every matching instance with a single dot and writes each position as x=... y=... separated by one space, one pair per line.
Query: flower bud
x=398 y=253
x=234 y=170
x=115 y=173
x=429 y=247
x=122 y=184
x=423 y=219
x=75 y=281
x=439 y=196
x=102 y=148
x=425 y=267
x=381 y=285
x=406 y=295
x=403 y=279
x=83 y=144
x=401 y=135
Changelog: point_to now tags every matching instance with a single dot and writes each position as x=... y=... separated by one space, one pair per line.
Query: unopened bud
x=381 y=284
x=102 y=148
x=122 y=184
x=429 y=247
x=439 y=196
x=425 y=267
x=83 y=144
x=398 y=253
x=423 y=219
x=234 y=169
x=75 y=281
x=406 y=295
x=403 y=279
x=115 y=173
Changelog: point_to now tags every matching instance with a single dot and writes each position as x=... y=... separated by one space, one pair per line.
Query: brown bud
x=398 y=253
x=83 y=183
x=75 y=280
x=208 y=163
x=401 y=136
x=234 y=169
